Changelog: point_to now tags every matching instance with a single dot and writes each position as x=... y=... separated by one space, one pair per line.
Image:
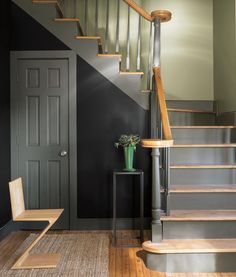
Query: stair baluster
x=75 y=8
x=128 y=42
x=118 y=28
x=139 y=44
x=86 y=17
x=150 y=55
x=96 y=18
x=107 y=28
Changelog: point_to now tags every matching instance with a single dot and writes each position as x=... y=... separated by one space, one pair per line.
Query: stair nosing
x=203 y=166
x=202 y=189
x=131 y=73
x=110 y=55
x=205 y=145
x=190 y=111
x=200 y=215
x=191 y=246
x=203 y=127
x=66 y=19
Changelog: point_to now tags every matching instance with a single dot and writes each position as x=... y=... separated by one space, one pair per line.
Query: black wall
x=104 y=112
x=5 y=212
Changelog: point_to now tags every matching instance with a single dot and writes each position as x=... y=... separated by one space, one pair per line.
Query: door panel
x=42 y=99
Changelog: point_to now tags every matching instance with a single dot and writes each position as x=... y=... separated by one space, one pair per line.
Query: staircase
x=199 y=226
x=92 y=48
x=194 y=211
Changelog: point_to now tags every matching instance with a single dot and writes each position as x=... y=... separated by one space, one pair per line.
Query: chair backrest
x=17 y=197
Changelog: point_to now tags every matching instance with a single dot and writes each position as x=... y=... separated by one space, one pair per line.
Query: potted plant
x=128 y=142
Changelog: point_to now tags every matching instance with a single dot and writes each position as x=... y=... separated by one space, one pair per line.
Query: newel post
x=157 y=143
x=156 y=196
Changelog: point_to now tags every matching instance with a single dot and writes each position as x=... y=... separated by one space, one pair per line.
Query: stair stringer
x=86 y=49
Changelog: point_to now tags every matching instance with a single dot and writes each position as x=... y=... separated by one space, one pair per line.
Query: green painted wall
x=187 y=48
x=225 y=54
x=187 y=42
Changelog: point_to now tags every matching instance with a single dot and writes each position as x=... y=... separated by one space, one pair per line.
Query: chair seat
x=39 y=215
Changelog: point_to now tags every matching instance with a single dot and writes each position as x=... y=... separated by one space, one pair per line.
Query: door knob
x=63 y=153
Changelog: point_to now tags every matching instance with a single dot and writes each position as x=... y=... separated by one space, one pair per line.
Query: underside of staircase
x=50 y=15
x=199 y=226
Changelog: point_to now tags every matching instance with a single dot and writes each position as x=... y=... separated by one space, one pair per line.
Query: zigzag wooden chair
x=27 y=260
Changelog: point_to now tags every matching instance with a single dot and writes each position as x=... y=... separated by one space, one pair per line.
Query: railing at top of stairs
x=138 y=56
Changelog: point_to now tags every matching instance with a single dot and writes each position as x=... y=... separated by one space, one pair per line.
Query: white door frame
x=71 y=57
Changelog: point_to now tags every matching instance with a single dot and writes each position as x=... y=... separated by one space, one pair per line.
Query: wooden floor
x=124 y=261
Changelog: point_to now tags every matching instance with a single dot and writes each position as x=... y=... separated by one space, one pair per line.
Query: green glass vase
x=129 y=158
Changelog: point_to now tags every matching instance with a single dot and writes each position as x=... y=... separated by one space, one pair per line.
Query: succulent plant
x=128 y=140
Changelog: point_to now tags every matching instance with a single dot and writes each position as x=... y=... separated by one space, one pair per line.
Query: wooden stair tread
x=146 y=91
x=200 y=215
x=226 y=145
x=109 y=55
x=131 y=73
x=156 y=143
x=191 y=246
x=64 y=19
x=189 y=111
x=44 y=2
x=205 y=166
x=88 y=37
x=203 y=127
x=201 y=188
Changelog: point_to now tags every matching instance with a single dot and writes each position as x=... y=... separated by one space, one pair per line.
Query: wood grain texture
x=203 y=127
x=190 y=111
x=229 y=145
x=200 y=215
x=17 y=198
x=20 y=214
x=204 y=166
x=64 y=19
x=162 y=104
x=192 y=246
x=99 y=40
x=131 y=73
x=139 y=10
x=110 y=55
x=202 y=188
x=164 y=15
x=44 y=1
x=132 y=256
x=156 y=143
x=87 y=37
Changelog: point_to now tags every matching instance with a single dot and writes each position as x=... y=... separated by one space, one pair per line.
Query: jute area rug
x=82 y=255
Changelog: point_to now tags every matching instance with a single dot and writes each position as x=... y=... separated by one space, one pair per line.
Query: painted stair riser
x=199 y=229
x=191 y=105
x=182 y=118
x=87 y=50
x=203 y=136
x=202 y=176
x=202 y=155
x=202 y=201
x=192 y=262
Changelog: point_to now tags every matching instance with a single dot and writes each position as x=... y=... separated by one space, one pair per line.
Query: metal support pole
x=156 y=197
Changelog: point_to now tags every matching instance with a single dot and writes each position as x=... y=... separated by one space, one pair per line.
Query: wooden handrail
x=139 y=10
x=162 y=104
